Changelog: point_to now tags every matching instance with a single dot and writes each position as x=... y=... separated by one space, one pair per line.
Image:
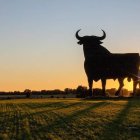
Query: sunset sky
x=38 y=48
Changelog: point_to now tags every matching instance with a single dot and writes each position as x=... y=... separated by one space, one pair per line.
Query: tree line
x=80 y=91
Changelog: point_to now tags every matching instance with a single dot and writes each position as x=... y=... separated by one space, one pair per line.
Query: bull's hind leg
x=90 y=83
x=103 y=86
x=121 y=84
x=134 y=85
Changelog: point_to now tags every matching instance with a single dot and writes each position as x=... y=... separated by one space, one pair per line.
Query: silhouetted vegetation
x=28 y=93
x=79 y=92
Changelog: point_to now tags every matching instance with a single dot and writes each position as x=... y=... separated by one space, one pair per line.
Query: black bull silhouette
x=101 y=64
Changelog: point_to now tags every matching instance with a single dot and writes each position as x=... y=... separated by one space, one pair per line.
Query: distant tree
x=43 y=91
x=34 y=92
x=28 y=93
x=97 y=92
x=68 y=90
x=54 y=92
x=58 y=91
x=81 y=89
x=16 y=92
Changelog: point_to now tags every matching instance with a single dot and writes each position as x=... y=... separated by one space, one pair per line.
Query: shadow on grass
x=46 y=115
x=9 y=121
x=108 y=98
x=65 y=122
x=114 y=129
x=41 y=105
x=54 y=106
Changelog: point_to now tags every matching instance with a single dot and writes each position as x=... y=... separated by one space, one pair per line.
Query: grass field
x=70 y=119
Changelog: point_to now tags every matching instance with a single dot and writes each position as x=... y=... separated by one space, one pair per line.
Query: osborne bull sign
x=101 y=64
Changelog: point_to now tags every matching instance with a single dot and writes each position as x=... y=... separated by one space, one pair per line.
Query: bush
x=28 y=93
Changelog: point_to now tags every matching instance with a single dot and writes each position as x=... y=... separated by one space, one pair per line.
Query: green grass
x=69 y=119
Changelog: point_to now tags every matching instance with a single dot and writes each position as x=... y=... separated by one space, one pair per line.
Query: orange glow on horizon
x=59 y=84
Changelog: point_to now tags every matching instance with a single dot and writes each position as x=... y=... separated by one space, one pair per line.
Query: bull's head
x=90 y=39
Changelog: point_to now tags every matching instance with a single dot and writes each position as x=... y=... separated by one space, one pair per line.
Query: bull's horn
x=77 y=36
x=102 y=37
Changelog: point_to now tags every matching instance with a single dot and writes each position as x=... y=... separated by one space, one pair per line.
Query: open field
x=70 y=119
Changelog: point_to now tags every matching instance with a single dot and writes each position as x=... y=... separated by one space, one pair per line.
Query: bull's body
x=101 y=64
x=112 y=66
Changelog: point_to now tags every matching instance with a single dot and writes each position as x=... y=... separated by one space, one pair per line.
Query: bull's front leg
x=103 y=86
x=90 y=84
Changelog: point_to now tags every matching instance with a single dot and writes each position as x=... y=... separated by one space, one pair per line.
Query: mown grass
x=69 y=119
